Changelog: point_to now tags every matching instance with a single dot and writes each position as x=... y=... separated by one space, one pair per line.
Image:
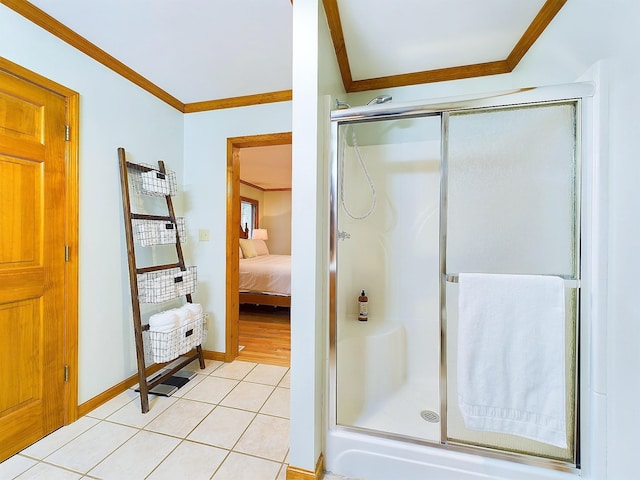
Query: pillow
x=241 y=256
x=261 y=247
x=248 y=249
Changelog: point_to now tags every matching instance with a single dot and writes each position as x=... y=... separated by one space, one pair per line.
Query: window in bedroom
x=249 y=213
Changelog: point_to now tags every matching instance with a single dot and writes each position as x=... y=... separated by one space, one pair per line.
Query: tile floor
x=231 y=422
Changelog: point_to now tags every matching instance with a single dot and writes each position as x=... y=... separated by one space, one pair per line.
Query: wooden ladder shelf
x=145 y=384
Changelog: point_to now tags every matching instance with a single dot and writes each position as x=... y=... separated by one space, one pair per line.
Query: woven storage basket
x=157 y=232
x=162 y=347
x=153 y=182
x=163 y=285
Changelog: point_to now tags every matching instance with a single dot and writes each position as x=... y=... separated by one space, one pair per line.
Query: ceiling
x=199 y=55
x=206 y=54
x=267 y=168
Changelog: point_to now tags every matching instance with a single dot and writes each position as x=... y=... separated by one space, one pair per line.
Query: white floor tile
x=43 y=471
x=14 y=466
x=248 y=396
x=243 y=467
x=190 y=460
x=267 y=374
x=136 y=458
x=236 y=370
x=210 y=366
x=283 y=472
x=131 y=414
x=180 y=418
x=266 y=437
x=226 y=439
x=88 y=449
x=60 y=437
x=116 y=403
x=286 y=380
x=211 y=390
x=222 y=427
x=278 y=403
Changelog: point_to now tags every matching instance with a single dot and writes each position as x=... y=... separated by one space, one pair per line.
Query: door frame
x=70 y=343
x=234 y=144
x=590 y=258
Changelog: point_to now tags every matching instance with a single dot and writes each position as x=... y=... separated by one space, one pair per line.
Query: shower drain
x=430 y=416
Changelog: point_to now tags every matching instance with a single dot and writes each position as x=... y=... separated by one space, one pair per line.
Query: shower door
x=386 y=196
x=510 y=206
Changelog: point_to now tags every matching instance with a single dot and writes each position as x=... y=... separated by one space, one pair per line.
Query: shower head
x=380 y=99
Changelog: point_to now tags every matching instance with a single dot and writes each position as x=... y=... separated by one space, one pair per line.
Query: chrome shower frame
x=442 y=108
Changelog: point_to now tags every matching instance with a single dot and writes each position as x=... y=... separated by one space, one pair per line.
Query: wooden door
x=32 y=263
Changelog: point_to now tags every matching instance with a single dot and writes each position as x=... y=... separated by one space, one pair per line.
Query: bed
x=264 y=279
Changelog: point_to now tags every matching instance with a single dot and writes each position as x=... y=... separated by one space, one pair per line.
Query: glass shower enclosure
x=422 y=197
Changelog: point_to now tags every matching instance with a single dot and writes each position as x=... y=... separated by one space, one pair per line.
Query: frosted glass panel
x=512 y=208
x=512 y=191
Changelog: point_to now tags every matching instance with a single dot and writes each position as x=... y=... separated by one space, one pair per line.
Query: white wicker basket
x=163 y=285
x=156 y=232
x=162 y=347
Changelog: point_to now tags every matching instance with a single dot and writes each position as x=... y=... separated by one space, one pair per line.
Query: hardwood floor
x=265 y=334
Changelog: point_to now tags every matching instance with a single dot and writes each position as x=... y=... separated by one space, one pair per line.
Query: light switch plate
x=203 y=235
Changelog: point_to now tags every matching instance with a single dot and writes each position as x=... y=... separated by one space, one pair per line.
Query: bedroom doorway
x=260 y=321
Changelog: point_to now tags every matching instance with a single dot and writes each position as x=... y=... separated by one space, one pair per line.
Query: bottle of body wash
x=363 y=302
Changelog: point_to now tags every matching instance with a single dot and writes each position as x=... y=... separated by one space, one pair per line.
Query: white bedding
x=267 y=274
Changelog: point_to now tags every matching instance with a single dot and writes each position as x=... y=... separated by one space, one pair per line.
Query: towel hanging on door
x=511 y=355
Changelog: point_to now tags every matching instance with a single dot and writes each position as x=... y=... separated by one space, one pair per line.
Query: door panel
x=21 y=193
x=19 y=388
x=513 y=208
x=32 y=274
x=21 y=119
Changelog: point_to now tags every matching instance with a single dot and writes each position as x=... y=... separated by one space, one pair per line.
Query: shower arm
x=380 y=99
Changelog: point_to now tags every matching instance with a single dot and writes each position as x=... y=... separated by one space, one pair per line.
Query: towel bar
x=569 y=282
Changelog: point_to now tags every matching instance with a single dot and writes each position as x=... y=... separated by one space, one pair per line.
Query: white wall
x=205 y=186
x=623 y=321
x=113 y=113
x=315 y=78
x=275 y=216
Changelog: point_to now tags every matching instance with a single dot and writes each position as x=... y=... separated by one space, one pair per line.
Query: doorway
x=234 y=149
x=38 y=257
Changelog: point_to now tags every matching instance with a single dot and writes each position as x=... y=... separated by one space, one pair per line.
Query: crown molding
x=546 y=14
x=244 y=101
x=263 y=189
x=335 y=29
x=535 y=29
x=64 y=33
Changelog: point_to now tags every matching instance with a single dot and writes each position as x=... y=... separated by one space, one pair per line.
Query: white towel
x=511 y=355
x=194 y=309
x=184 y=315
x=164 y=321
